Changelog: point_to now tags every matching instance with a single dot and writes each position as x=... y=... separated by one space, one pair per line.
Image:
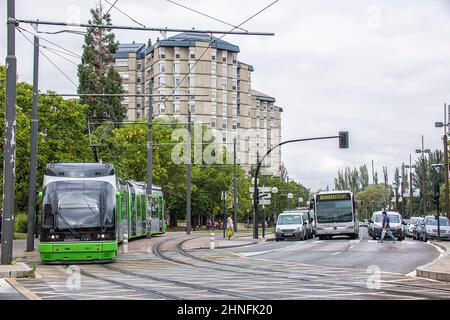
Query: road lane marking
x=336 y=253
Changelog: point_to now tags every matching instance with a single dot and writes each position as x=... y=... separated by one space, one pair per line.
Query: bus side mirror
x=40 y=197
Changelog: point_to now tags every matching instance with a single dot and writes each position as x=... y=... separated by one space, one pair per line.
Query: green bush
x=21 y=223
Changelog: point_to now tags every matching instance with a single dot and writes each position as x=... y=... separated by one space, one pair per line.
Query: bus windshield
x=289 y=219
x=335 y=211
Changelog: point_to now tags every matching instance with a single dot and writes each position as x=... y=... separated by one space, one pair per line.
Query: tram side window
x=124 y=206
x=144 y=216
x=133 y=207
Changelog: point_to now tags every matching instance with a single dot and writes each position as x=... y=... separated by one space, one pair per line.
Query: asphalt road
x=400 y=257
x=313 y=269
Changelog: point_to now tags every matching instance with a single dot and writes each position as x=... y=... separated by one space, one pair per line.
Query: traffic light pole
x=343 y=144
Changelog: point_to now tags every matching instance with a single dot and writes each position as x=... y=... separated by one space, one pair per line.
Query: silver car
x=411 y=226
x=429 y=228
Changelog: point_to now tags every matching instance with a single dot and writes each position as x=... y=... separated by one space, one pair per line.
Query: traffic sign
x=290 y=196
x=261 y=189
x=264 y=202
x=265 y=195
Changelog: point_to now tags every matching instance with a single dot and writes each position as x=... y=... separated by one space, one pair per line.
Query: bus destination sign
x=336 y=196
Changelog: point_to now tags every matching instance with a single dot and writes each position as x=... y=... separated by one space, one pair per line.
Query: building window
x=234 y=58
x=139 y=66
x=177 y=95
x=124 y=75
x=121 y=62
x=191 y=81
x=177 y=81
x=224 y=126
x=176 y=67
x=192 y=107
x=162 y=67
x=192 y=53
x=224 y=110
x=139 y=106
x=125 y=88
x=224 y=97
x=162 y=52
x=235 y=85
x=213 y=68
x=213 y=82
x=224 y=84
x=213 y=108
x=162 y=108
x=162 y=81
x=235 y=72
x=177 y=53
x=224 y=70
x=213 y=55
x=191 y=67
x=213 y=122
x=191 y=94
x=224 y=56
x=176 y=107
x=213 y=95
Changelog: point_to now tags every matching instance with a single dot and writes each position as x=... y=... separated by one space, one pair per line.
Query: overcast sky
x=379 y=69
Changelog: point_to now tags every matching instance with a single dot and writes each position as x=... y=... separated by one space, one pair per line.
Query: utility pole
x=235 y=186
x=445 y=124
x=373 y=174
x=224 y=223
x=423 y=151
x=188 y=178
x=150 y=143
x=33 y=150
x=402 y=188
x=411 y=198
x=9 y=162
x=287 y=191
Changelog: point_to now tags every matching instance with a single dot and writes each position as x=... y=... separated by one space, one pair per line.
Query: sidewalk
x=439 y=269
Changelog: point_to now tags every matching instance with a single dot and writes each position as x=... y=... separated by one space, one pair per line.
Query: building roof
x=188 y=39
x=127 y=48
x=250 y=67
x=262 y=96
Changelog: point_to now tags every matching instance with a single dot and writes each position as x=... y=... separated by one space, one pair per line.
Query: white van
x=291 y=224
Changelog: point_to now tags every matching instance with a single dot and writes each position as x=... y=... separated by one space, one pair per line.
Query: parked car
x=411 y=226
x=428 y=228
x=291 y=225
x=396 y=224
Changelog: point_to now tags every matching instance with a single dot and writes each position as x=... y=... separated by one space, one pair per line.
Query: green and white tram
x=86 y=211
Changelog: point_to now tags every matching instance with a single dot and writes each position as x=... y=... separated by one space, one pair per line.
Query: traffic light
x=343 y=140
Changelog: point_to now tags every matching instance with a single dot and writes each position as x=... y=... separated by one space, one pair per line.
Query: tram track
x=130 y=287
x=183 y=252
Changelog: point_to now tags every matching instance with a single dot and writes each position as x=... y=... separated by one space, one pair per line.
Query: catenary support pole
x=188 y=176
x=9 y=162
x=33 y=150
x=235 y=186
x=150 y=144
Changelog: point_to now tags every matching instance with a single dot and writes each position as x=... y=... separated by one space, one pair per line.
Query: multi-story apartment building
x=203 y=73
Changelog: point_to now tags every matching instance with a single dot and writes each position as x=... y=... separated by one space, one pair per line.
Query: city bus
x=335 y=215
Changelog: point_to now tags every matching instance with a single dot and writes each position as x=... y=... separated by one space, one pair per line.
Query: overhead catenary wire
x=205 y=15
x=49 y=60
x=126 y=15
x=74 y=54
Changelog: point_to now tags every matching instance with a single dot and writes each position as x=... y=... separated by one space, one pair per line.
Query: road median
x=440 y=268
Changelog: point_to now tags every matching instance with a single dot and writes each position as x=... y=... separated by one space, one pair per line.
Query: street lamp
x=445 y=125
x=395 y=186
x=423 y=151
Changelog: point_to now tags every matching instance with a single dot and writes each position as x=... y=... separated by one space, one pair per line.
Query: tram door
x=133 y=215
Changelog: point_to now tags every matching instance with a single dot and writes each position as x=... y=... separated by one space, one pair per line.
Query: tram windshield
x=79 y=204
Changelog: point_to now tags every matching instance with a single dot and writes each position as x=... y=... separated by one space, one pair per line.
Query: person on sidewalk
x=229 y=227
x=386 y=229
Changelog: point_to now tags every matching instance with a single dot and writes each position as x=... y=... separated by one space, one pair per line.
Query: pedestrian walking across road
x=230 y=227
x=386 y=228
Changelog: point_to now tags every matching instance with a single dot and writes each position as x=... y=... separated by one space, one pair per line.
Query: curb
x=17 y=270
x=22 y=290
x=433 y=275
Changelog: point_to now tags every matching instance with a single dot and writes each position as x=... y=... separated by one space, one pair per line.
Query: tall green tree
x=96 y=73
x=62 y=135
